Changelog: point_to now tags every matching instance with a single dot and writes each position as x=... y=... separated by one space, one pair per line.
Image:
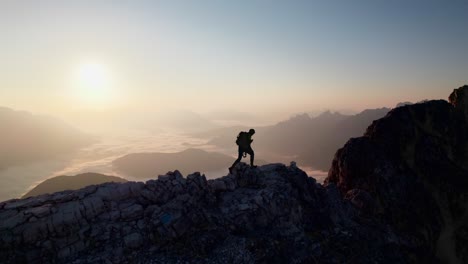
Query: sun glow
x=92 y=84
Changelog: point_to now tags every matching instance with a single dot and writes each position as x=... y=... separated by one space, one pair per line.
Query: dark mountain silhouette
x=311 y=141
x=149 y=165
x=27 y=138
x=62 y=183
x=319 y=150
x=410 y=171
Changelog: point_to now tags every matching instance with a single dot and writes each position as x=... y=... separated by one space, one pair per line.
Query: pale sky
x=59 y=57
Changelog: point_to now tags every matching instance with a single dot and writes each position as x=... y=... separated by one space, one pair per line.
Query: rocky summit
x=410 y=172
x=399 y=194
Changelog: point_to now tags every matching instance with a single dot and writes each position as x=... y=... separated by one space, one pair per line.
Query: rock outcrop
x=270 y=214
x=410 y=172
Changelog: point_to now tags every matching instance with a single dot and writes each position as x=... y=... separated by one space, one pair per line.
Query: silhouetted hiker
x=244 y=139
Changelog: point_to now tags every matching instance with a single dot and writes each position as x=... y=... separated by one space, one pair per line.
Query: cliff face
x=412 y=166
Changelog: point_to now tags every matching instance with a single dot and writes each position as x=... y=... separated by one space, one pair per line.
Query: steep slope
x=410 y=170
x=62 y=183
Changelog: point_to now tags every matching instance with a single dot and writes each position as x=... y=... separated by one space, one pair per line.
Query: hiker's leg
x=239 y=157
x=252 y=156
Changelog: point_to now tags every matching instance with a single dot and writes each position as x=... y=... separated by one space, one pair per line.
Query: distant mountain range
x=150 y=165
x=62 y=183
x=27 y=138
x=311 y=141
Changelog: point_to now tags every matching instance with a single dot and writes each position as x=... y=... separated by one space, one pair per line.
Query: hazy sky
x=255 y=56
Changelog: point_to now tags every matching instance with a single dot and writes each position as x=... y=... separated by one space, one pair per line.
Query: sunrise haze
x=74 y=58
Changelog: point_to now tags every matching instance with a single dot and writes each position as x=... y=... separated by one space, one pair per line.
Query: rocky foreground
x=272 y=213
x=399 y=194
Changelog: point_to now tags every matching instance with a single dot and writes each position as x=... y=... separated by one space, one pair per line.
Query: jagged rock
x=88 y=224
x=459 y=99
x=413 y=163
x=218 y=185
x=134 y=240
x=40 y=211
x=362 y=200
x=134 y=211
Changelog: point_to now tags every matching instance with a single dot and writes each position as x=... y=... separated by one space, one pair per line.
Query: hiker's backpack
x=243 y=139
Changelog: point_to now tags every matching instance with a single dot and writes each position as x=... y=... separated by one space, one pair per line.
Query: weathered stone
x=243 y=207
x=132 y=212
x=134 y=240
x=182 y=225
x=218 y=185
x=362 y=200
x=13 y=221
x=93 y=206
x=149 y=195
x=152 y=210
x=459 y=99
x=28 y=202
x=40 y=211
x=164 y=177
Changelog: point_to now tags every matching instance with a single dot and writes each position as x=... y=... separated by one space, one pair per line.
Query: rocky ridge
x=273 y=213
x=396 y=195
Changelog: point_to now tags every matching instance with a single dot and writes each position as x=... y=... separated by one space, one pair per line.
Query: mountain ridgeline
x=398 y=194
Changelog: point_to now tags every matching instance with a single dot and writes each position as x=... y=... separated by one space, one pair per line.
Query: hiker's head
x=252 y=131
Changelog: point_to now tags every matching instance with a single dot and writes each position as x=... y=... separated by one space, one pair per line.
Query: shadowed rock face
x=411 y=169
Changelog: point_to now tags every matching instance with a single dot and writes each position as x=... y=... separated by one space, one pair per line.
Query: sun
x=93 y=76
x=92 y=83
